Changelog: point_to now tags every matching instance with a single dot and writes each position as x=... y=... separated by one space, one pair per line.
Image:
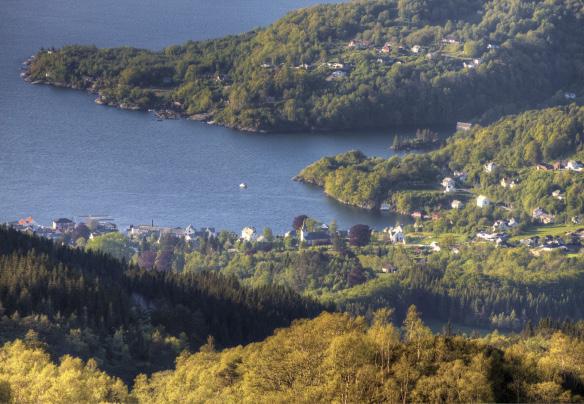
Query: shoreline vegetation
x=359 y=65
x=508 y=161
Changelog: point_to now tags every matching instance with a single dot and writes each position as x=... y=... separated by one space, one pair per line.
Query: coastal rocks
x=128 y=106
x=167 y=114
x=204 y=117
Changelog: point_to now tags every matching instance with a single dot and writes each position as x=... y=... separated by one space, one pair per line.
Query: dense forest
x=332 y=358
x=515 y=144
x=130 y=320
x=363 y=64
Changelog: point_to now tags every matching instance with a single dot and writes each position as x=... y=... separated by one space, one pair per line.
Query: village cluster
x=67 y=231
x=499 y=231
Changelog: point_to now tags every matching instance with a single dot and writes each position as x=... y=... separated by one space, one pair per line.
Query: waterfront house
x=249 y=234
x=463 y=126
x=145 y=230
x=570 y=96
x=190 y=233
x=483 y=201
x=63 y=225
x=312 y=238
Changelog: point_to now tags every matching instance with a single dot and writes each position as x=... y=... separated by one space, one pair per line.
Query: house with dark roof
x=63 y=224
x=312 y=238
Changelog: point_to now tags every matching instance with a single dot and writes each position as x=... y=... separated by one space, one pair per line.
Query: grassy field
x=547 y=230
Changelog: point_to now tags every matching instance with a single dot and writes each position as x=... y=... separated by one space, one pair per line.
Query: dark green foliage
x=125 y=313
x=482 y=285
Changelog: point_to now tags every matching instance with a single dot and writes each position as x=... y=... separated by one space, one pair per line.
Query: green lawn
x=547 y=230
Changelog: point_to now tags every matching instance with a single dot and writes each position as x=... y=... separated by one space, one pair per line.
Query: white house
x=456 y=204
x=541 y=216
x=190 y=233
x=500 y=225
x=472 y=64
x=249 y=234
x=435 y=247
x=574 y=165
x=570 y=96
x=396 y=234
x=416 y=48
x=483 y=201
x=558 y=194
x=335 y=65
x=449 y=185
x=490 y=167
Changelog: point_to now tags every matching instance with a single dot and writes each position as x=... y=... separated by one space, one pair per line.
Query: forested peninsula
x=364 y=64
x=509 y=161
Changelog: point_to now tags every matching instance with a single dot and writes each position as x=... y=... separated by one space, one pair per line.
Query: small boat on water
x=243 y=185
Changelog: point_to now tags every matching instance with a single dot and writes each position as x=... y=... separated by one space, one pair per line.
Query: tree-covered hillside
x=514 y=144
x=362 y=64
x=332 y=358
x=129 y=320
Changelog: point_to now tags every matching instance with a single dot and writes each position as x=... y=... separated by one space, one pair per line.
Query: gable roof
x=317 y=235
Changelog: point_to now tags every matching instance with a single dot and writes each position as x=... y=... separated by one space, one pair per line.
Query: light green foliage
x=114 y=244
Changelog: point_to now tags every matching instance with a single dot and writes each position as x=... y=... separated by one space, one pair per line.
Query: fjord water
x=63 y=155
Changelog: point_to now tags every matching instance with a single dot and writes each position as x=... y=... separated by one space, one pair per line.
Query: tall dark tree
x=359 y=235
x=299 y=221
